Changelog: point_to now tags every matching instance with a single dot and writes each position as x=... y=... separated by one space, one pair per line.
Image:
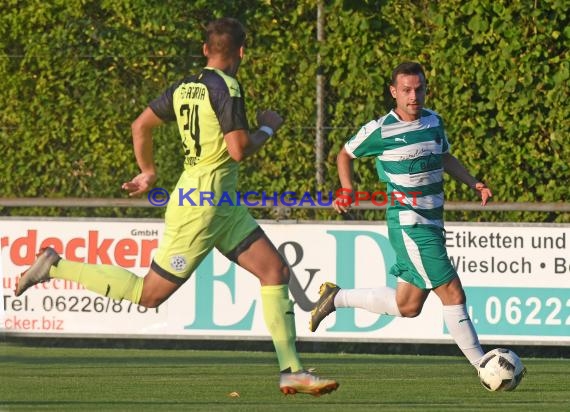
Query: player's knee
x=458 y=299
x=410 y=311
x=454 y=296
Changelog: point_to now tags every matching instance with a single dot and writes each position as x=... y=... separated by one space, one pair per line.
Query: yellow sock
x=280 y=321
x=112 y=281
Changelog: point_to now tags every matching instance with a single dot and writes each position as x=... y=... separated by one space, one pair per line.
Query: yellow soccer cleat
x=324 y=306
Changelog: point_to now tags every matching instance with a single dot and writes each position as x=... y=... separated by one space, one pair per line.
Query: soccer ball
x=501 y=370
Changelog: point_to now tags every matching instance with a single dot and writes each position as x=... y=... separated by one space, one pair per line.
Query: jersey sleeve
x=445 y=146
x=162 y=106
x=229 y=106
x=366 y=142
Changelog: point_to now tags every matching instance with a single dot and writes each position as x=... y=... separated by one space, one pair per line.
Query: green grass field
x=81 y=379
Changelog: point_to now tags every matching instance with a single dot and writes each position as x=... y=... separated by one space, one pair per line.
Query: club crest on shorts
x=178 y=263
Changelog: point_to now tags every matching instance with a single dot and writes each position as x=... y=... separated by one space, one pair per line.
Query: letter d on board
x=345 y=269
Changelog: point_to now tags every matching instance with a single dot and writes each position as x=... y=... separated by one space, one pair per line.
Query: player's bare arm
x=345 y=174
x=456 y=169
x=141 y=130
x=242 y=144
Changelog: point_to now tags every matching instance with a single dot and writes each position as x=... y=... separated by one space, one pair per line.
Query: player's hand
x=343 y=201
x=484 y=192
x=140 y=184
x=340 y=206
x=269 y=118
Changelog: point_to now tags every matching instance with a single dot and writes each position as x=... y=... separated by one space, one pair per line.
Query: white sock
x=462 y=331
x=379 y=300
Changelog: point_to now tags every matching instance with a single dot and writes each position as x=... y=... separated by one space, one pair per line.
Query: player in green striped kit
x=412 y=152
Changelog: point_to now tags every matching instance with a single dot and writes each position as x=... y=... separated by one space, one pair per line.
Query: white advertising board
x=516 y=277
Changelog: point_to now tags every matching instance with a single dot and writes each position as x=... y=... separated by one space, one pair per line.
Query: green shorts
x=422 y=258
x=192 y=231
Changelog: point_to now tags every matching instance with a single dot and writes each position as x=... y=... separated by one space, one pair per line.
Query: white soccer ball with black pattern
x=501 y=370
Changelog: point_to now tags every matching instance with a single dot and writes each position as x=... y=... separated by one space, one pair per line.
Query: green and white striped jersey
x=409 y=159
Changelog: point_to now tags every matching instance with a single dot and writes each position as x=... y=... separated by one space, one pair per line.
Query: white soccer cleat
x=305 y=382
x=39 y=271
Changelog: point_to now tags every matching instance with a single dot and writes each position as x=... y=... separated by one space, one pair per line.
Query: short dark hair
x=408 y=68
x=225 y=36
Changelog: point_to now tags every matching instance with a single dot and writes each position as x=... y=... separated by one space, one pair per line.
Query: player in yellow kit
x=209 y=109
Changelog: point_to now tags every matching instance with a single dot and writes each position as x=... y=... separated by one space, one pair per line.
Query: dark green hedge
x=76 y=73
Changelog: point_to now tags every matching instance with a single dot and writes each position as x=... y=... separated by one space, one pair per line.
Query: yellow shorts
x=191 y=232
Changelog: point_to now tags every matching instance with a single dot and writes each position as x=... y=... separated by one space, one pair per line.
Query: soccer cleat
x=39 y=271
x=305 y=382
x=324 y=306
